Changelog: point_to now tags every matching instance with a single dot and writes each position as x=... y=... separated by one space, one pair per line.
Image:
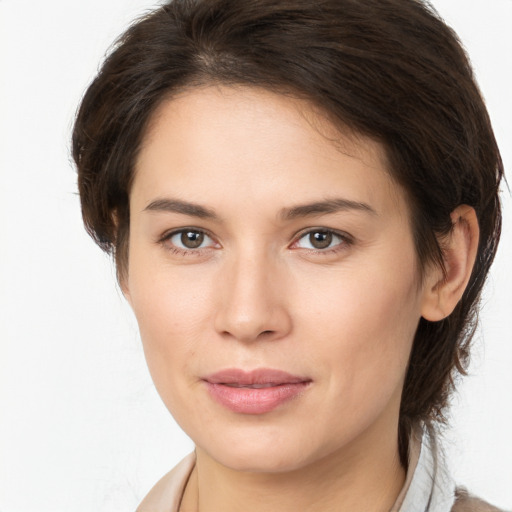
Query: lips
x=255 y=392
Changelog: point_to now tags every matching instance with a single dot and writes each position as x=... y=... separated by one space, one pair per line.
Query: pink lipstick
x=255 y=392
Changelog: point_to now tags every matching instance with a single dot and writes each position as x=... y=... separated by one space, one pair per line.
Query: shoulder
x=465 y=502
x=166 y=495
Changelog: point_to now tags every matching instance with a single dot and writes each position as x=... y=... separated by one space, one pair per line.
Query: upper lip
x=254 y=377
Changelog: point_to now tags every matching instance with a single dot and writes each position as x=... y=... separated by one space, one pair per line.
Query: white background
x=81 y=426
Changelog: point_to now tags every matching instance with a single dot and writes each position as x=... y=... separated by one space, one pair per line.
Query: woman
x=302 y=201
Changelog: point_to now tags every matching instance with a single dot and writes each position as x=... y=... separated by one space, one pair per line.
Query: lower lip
x=255 y=400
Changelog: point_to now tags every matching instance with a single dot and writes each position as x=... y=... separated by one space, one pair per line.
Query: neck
x=365 y=476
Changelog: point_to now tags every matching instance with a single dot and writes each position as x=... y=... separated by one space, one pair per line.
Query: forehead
x=222 y=143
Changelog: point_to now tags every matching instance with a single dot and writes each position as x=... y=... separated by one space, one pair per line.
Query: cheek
x=166 y=299
x=364 y=326
x=172 y=310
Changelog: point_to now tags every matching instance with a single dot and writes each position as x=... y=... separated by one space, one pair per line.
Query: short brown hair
x=388 y=69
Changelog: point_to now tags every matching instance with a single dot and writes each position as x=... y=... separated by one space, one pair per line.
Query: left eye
x=190 y=239
x=319 y=239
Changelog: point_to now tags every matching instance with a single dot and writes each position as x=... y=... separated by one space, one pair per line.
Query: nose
x=252 y=301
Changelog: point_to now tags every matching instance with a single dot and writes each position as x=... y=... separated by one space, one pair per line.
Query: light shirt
x=428 y=486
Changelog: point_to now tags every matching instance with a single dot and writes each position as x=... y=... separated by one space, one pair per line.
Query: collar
x=428 y=486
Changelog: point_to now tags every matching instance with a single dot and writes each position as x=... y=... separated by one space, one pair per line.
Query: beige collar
x=427 y=488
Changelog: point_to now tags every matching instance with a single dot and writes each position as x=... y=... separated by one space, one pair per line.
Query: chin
x=261 y=451
x=256 y=460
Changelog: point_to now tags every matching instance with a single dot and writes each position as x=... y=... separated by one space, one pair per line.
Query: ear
x=443 y=292
x=122 y=279
x=121 y=263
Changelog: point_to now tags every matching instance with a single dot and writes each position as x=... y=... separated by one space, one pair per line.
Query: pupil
x=192 y=239
x=320 y=239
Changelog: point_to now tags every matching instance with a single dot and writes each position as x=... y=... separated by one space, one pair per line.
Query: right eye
x=188 y=240
x=321 y=240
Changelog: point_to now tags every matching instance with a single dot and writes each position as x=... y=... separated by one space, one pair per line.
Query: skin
x=257 y=294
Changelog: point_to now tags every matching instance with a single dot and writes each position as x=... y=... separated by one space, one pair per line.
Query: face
x=273 y=276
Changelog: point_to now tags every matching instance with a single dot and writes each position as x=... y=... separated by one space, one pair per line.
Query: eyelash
x=180 y=251
x=345 y=241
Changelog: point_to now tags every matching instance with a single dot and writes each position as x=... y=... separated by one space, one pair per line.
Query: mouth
x=251 y=386
x=255 y=392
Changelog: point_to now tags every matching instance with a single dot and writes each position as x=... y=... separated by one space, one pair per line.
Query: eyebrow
x=183 y=207
x=303 y=210
x=327 y=206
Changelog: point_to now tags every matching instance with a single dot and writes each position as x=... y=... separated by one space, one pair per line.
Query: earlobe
x=442 y=292
x=123 y=284
x=122 y=280
x=121 y=255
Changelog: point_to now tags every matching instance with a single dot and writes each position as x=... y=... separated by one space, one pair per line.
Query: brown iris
x=192 y=239
x=320 y=239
